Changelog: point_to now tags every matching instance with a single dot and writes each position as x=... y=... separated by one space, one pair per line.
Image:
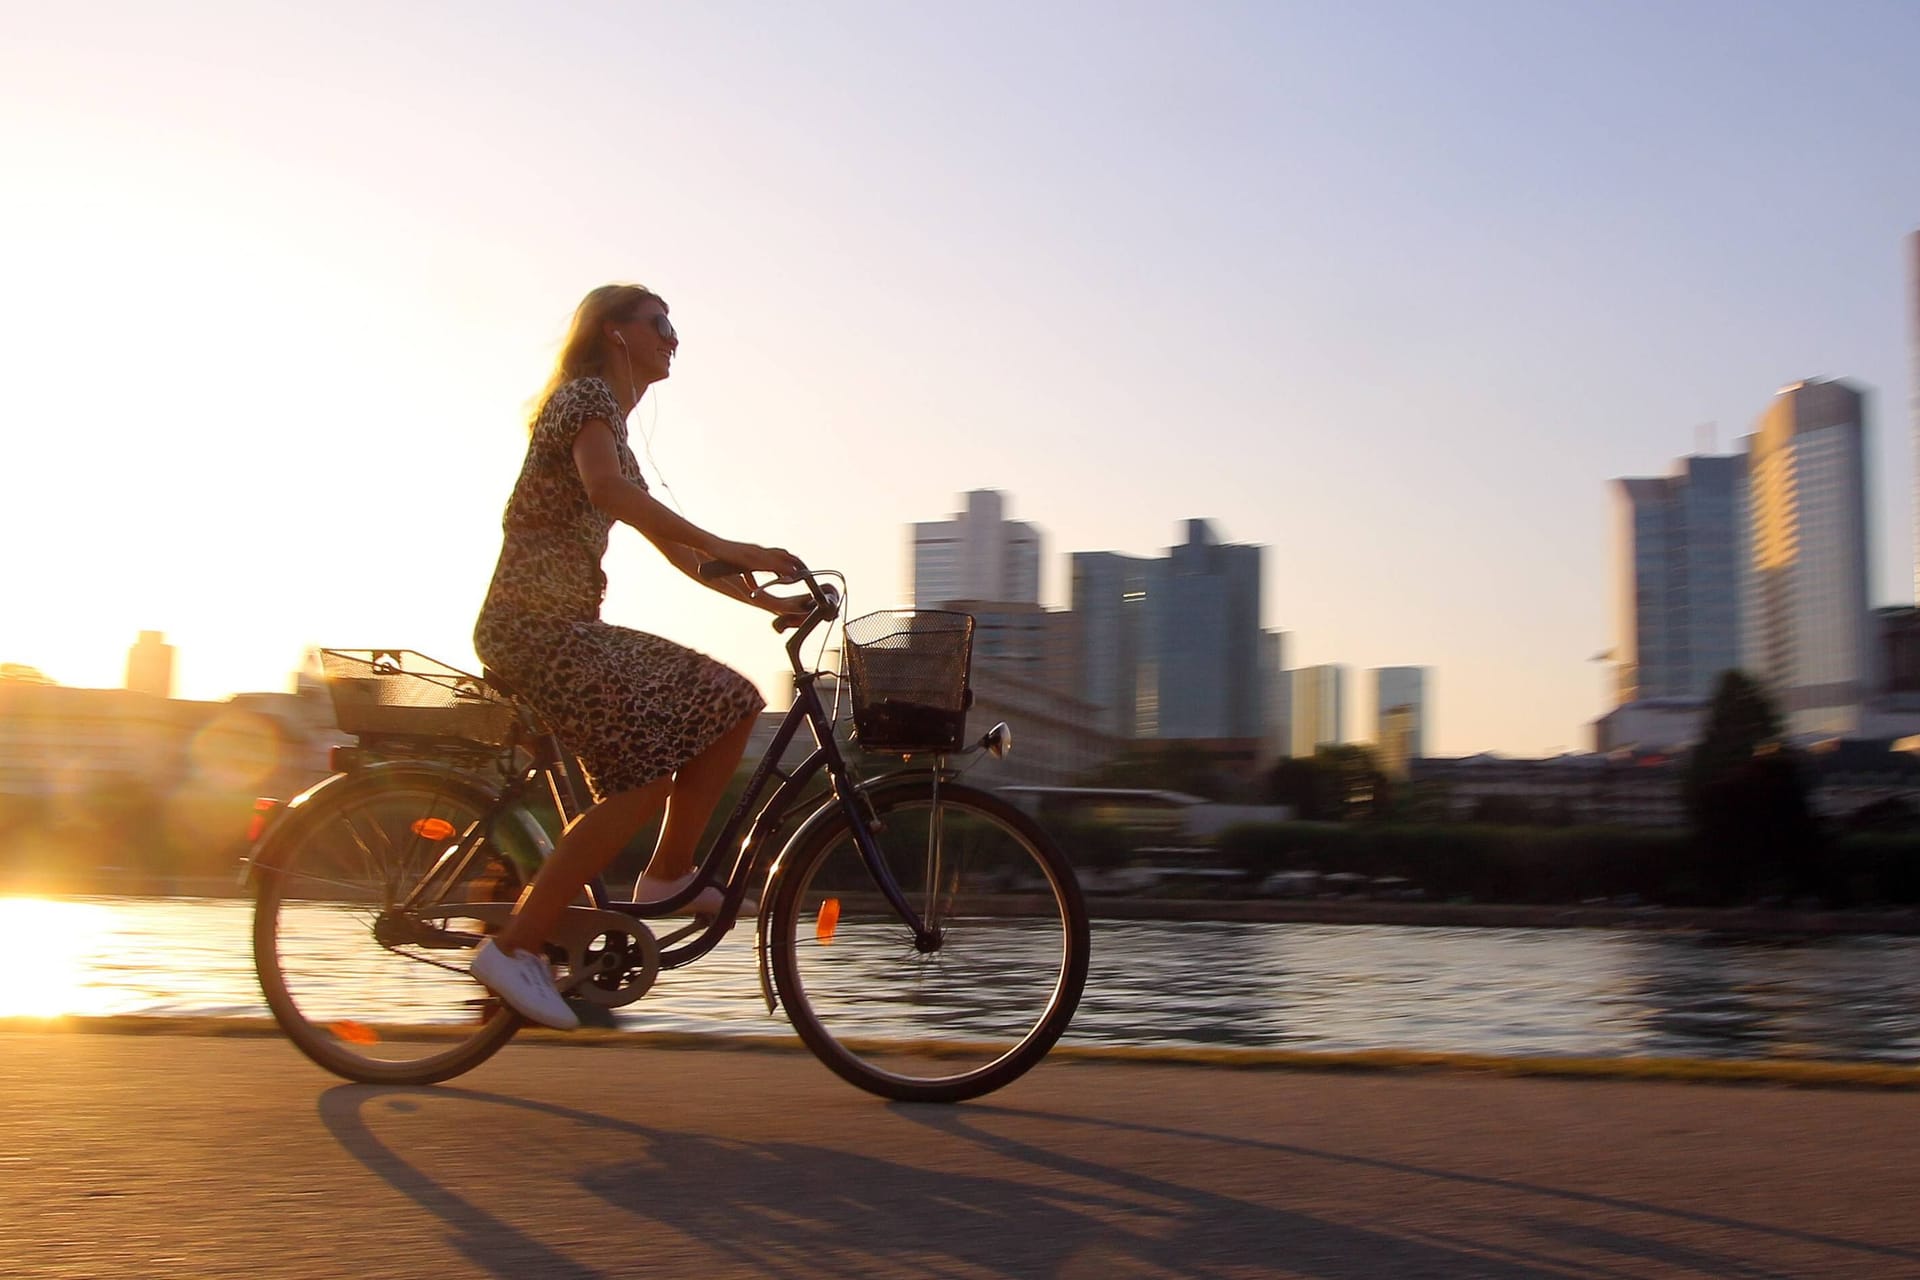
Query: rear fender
x=526 y=842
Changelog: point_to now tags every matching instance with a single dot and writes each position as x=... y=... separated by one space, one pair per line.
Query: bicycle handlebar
x=826 y=600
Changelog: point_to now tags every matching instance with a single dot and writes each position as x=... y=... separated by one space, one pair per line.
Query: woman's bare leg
x=591 y=841
x=697 y=789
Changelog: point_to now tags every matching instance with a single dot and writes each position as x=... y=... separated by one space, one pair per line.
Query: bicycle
x=907 y=901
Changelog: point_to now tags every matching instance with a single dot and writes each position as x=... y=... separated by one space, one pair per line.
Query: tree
x=1740 y=722
x=1334 y=783
x=1746 y=797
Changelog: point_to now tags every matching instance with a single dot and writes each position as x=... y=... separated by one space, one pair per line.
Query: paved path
x=137 y=1156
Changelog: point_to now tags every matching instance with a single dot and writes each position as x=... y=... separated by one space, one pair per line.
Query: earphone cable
x=646 y=433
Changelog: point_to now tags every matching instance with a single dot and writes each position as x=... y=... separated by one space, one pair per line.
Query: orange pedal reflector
x=829 y=918
x=432 y=828
x=354 y=1032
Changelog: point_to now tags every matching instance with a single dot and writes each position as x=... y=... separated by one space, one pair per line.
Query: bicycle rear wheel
x=370 y=988
x=963 y=1016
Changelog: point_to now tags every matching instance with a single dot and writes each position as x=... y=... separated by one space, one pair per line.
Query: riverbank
x=1797 y=1073
x=1328 y=911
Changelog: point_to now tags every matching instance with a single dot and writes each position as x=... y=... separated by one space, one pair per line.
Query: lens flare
x=56 y=940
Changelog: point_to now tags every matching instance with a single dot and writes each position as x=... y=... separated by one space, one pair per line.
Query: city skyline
x=1381 y=288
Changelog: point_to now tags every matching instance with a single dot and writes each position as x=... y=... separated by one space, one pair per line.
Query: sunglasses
x=664 y=327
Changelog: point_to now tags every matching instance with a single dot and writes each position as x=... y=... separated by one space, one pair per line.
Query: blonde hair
x=585 y=352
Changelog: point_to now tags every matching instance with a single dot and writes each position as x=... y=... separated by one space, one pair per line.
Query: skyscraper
x=1114 y=598
x=1319 y=708
x=1276 y=696
x=1680 y=544
x=1400 y=717
x=976 y=555
x=150 y=665
x=1811 y=639
x=1170 y=647
x=1209 y=660
x=1913 y=400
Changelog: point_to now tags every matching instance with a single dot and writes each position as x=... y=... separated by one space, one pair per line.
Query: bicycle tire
x=360 y=1007
x=962 y=1020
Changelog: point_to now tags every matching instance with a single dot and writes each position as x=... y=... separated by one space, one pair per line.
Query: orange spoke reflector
x=354 y=1032
x=829 y=918
x=435 y=829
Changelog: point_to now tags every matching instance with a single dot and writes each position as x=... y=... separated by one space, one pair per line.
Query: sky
x=1391 y=289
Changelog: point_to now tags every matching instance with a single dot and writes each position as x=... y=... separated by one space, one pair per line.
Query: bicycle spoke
x=963 y=1010
x=368 y=990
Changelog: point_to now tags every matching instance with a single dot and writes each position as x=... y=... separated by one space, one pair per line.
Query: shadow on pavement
x=792 y=1209
x=966 y=1123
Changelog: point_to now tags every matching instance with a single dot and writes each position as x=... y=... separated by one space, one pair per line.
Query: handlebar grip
x=719 y=569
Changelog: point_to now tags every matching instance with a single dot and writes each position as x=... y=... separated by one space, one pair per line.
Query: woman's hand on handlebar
x=758 y=559
x=787 y=611
x=784 y=606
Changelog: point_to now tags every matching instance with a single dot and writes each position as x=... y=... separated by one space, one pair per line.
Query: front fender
x=762 y=939
x=528 y=845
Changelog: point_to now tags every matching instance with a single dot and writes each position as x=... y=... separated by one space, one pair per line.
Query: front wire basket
x=397 y=693
x=908 y=670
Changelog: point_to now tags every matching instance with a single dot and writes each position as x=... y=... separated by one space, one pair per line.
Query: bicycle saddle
x=500 y=683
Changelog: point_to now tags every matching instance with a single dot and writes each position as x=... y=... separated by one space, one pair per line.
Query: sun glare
x=57 y=939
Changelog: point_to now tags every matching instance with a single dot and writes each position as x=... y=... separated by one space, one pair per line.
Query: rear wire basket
x=908 y=671
x=397 y=693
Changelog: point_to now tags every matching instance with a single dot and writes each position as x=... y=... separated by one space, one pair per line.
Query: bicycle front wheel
x=369 y=985
x=950 y=1019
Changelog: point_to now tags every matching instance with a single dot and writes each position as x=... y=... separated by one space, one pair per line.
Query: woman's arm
x=688 y=561
x=597 y=459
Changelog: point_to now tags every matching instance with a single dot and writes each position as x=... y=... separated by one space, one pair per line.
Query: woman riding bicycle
x=654 y=724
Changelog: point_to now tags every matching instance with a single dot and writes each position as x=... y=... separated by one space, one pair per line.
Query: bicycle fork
x=855 y=804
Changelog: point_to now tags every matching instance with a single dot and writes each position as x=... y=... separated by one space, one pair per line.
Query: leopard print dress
x=632 y=706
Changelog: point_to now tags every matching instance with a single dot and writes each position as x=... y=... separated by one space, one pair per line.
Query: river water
x=1581 y=992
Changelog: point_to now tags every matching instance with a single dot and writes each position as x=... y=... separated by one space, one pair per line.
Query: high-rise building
x=1400 y=717
x=1276 y=735
x=1113 y=603
x=1913 y=394
x=977 y=555
x=1209 y=660
x=150 y=665
x=1680 y=545
x=981 y=563
x=1170 y=647
x=1319 y=706
x=1025 y=641
x=1812 y=638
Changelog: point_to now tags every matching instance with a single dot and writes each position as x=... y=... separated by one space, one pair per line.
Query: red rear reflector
x=262 y=810
x=829 y=920
x=434 y=829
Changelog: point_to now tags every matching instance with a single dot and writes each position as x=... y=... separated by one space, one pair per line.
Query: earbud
x=618 y=338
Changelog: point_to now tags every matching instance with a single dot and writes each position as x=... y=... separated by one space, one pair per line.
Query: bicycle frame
x=555 y=767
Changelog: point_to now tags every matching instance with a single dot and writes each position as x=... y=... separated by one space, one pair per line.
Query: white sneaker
x=705 y=903
x=525 y=983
